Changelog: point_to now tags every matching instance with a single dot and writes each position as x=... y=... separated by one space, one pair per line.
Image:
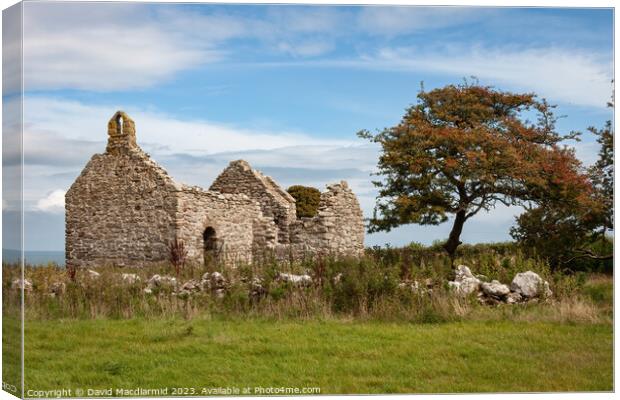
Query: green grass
x=336 y=355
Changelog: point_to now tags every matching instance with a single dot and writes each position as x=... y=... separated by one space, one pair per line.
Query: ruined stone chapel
x=124 y=209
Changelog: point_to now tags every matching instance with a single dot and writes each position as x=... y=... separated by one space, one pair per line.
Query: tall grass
x=367 y=288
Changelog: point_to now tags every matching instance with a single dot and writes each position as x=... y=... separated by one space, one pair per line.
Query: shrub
x=307 y=200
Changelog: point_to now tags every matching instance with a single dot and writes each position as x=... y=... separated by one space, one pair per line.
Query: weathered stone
x=191 y=286
x=26 y=285
x=124 y=209
x=462 y=272
x=465 y=282
x=295 y=280
x=494 y=288
x=529 y=284
x=513 y=297
x=130 y=279
x=157 y=282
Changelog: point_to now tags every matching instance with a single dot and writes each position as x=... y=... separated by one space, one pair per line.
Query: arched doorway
x=210 y=245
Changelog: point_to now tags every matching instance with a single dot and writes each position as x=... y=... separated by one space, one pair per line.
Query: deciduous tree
x=462 y=149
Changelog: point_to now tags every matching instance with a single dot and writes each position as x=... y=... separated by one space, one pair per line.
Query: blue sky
x=284 y=87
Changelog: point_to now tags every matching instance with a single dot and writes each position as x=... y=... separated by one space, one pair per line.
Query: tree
x=462 y=149
x=307 y=200
x=566 y=227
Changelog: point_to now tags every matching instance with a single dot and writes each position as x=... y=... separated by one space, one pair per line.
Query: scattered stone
x=157 y=282
x=462 y=272
x=130 y=279
x=513 y=298
x=296 y=280
x=218 y=280
x=19 y=284
x=529 y=285
x=495 y=289
x=464 y=282
x=191 y=286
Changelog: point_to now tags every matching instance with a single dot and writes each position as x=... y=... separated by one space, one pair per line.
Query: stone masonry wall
x=124 y=209
x=231 y=216
x=119 y=210
x=277 y=204
x=338 y=229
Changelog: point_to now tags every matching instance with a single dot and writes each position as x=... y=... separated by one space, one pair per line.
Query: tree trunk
x=455 y=234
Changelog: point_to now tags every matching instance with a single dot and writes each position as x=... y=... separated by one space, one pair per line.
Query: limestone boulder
x=530 y=285
x=464 y=282
x=495 y=289
x=191 y=286
x=22 y=284
x=513 y=298
x=158 y=282
x=217 y=280
x=296 y=280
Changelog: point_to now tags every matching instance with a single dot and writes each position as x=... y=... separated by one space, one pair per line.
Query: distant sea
x=34 y=257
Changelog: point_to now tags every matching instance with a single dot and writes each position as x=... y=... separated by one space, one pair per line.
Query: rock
x=130 y=279
x=157 y=282
x=494 y=288
x=93 y=274
x=464 y=282
x=462 y=272
x=529 y=284
x=19 y=284
x=191 y=286
x=217 y=280
x=220 y=293
x=469 y=285
x=513 y=297
x=296 y=280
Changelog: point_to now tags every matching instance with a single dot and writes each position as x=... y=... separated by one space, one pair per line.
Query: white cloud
x=398 y=20
x=559 y=74
x=121 y=46
x=107 y=46
x=54 y=202
x=156 y=132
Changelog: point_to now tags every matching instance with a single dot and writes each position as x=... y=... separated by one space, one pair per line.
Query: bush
x=307 y=200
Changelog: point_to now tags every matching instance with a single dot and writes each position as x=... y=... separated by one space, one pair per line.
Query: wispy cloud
x=573 y=76
x=561 y=75
x=399 y=20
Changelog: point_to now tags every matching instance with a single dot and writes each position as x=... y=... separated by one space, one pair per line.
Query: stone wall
x=124 y=209
x=277 y=204
x=232 y=218
x=337 y=229
x=121 y=209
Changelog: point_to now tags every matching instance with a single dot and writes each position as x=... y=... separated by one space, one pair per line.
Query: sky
x=285 y=87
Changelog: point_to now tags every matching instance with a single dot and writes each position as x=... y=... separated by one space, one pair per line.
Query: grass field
x=336 y=355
